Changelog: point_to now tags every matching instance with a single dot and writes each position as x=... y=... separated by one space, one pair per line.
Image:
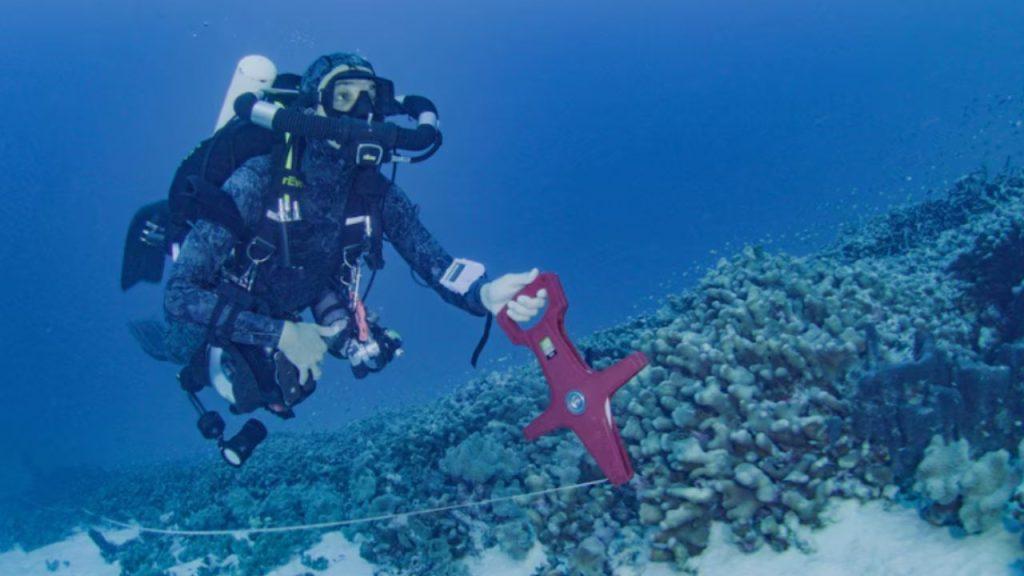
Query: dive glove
x=303 y=345
x=497 y=294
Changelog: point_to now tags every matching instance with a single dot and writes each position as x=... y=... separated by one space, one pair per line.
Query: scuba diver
x=281 y=211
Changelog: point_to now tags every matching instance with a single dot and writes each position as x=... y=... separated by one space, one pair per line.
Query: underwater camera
x=235 y=450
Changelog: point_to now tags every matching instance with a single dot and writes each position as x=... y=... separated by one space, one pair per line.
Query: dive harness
x=157 y=229
x=268 y=379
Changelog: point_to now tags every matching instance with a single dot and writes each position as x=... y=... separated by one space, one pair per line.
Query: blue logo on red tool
x=576 y=402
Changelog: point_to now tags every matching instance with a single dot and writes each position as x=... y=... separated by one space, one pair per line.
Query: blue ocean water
x=624 y=146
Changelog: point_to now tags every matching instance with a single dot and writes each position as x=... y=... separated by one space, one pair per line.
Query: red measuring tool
x=580 y=398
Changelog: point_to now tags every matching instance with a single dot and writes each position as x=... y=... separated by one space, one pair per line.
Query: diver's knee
x=184 y=340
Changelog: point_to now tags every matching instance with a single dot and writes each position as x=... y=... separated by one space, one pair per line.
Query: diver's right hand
x=303 y=345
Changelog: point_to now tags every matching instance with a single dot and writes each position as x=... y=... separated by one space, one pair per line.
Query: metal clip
x=259 y=250
x=246 y=279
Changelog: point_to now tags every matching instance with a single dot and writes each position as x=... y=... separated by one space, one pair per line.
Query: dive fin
x=146 y=245
x=152 y=336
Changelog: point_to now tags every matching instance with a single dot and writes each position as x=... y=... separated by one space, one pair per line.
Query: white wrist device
x=461 y=275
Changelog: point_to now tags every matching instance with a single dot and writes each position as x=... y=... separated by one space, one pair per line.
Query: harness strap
x=372 y=186
x=375 y=256
x=232 y=300
x=213 y=330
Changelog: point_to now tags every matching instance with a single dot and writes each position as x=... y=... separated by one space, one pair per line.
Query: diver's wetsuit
x=191 y=294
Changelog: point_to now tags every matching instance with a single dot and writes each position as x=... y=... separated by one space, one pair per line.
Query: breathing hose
x=425 y=136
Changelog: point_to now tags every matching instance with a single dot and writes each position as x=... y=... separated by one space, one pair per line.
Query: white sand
x=494 y=562
x=863 y=540
x=83 y=558
x=868 y=540
x=188 y=568
x=79 y=552
x=341 y=554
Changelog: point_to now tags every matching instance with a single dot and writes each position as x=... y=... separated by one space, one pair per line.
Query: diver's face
x=346 y=92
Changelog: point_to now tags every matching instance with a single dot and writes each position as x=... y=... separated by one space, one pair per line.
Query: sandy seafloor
x=870 y=539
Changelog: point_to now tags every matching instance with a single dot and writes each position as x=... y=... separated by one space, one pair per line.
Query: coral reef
x=902 y=406
x=887 y=366
x=977 y=490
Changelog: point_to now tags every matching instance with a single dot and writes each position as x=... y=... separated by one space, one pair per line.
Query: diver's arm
x=427 y=258
x=191 y=294
x=331 y=307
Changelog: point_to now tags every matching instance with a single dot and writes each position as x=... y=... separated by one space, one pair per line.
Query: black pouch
x=238 y=369
x=257 y=379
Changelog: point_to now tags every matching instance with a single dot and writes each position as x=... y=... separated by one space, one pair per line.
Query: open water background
x=626 y=146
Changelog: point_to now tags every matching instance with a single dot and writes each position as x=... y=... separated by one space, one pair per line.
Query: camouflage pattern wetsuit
x=191 y=293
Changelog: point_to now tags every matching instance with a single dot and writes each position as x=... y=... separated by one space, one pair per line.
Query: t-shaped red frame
x=580 y=398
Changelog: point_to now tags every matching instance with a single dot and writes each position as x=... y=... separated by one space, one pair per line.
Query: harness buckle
x=369 y=154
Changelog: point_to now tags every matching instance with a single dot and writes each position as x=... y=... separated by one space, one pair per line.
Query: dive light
x=239 y=447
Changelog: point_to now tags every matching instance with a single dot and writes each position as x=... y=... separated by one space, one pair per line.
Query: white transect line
x=325 y=525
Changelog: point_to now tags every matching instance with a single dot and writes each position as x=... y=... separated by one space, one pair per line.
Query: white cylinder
x=253 y=74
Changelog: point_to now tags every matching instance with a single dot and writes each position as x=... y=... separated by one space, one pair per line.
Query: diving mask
x=354 y=96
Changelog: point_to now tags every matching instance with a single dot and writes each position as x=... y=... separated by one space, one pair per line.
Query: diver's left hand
x=499 y=293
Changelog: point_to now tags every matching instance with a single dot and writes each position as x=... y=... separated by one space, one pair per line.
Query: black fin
x=145 y=248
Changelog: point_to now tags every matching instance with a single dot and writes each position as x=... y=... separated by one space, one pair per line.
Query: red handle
x=556 y=308
x=578 y=397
